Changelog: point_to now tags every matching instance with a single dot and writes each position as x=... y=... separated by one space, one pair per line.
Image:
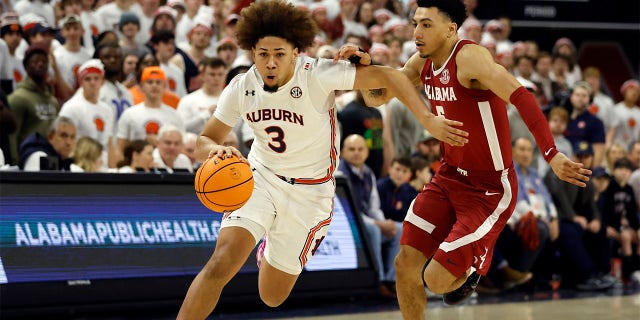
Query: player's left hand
x=569 y=171
x=349 y=50
x=444 y=130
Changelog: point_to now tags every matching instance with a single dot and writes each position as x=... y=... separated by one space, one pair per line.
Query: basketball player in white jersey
x=288 y=101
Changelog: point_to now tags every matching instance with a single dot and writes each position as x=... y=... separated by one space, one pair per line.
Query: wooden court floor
x=595 y=308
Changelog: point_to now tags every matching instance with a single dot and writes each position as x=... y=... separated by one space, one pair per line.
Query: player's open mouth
x=271 y=78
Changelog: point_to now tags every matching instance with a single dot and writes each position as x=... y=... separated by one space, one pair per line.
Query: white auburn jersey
x=296 y=128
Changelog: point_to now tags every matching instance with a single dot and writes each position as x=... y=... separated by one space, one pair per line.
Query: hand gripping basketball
x=224 y=185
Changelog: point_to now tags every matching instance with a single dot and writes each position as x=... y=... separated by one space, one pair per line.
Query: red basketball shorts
x=458 y=217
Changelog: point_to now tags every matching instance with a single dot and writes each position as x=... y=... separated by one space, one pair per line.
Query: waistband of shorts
x=450 y=170
x=304 y=180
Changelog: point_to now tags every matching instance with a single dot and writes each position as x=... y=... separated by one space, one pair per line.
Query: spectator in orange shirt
x=149 y=60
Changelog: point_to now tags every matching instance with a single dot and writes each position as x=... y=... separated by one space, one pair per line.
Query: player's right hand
x=349 y=50
x=222 y=152
x=569 y=171
x=444 y=130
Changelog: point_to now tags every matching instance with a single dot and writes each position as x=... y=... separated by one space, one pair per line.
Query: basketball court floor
x=615 y=304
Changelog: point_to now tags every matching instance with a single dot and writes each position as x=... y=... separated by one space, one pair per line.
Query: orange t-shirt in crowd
x=169 y=98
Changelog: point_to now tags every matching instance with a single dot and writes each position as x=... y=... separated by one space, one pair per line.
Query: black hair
x=454 y=9
x=234 y=72
x=403 y=161
x=211 y=62
x=162 y=36
x=275 y=18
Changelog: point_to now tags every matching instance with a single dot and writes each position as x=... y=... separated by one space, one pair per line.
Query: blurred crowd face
x=91 y=84
x=153 y=89
x=634 y=154
x=201 y=39
x=348 y=7
x=580 y=98
x=73 y=32
x=129 y=64
x=228 y=54
x=192 y=5
x=111 y=59
x=525 y=67
x=614 y=153
x=63 y=140
x=366 y=13
x=399 y=174
x=601 y=183
x=523 y=152
x=213 y=78
x=557 y=125
x=531 y=48
x=631 y=95
x=12 y=39
x=130 y=30
x=164 y=22
x=44 y=38
x=189 y=150
x=594 y=82
x=37 y=66
x=560 y=66
x=143 y=159
x=622 y=175
x=543 y=66
x=565 y=50
x=170 y=146
x=72 y=8
x=355 y=150
x=165 y=50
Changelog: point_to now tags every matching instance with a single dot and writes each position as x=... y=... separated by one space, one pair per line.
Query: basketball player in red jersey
x=457 y=218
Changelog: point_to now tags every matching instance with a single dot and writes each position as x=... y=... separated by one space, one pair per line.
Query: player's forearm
x=204 y=145
x=400 y=86
x=535 y=120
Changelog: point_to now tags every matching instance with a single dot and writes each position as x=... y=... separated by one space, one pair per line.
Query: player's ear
x=453 y=29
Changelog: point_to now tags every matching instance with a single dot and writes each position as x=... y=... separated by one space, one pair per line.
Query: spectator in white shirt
x=168 y=153
x=197 y=107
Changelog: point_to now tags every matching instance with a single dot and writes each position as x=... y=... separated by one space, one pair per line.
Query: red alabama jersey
x=482 y=113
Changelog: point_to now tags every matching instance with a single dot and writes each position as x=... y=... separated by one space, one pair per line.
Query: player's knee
x=407 y=266
x=435 y=284
x=272 y=300
x=214 y=270
x=438 y=279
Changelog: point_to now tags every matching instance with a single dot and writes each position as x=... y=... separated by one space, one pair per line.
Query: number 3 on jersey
x=440 y=110
x=277 y=143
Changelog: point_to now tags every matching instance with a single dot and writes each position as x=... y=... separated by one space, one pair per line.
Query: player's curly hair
x=455 y=9
x=275 y=18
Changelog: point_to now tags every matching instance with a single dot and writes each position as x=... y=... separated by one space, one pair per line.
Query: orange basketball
x=224 y=185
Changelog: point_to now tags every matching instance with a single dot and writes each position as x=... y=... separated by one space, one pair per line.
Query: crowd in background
x=126 y=86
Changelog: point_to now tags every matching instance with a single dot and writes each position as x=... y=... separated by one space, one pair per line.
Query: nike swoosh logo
x=546 y=153
x=451 y=262
x=487 y=193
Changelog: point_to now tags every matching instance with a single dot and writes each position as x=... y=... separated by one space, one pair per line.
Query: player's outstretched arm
x=569 y=171
x=209 y=142
x=476 y=64
x=379 y=96
x=400 y=86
